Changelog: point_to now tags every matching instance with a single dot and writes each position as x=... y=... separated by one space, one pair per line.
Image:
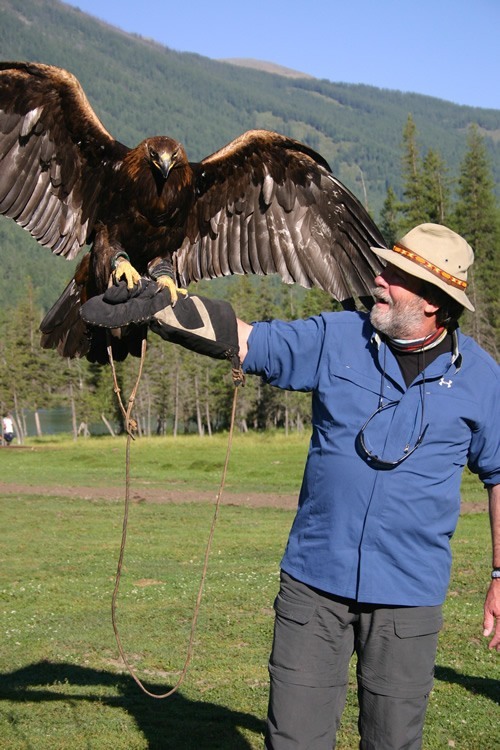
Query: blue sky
x=444 y=48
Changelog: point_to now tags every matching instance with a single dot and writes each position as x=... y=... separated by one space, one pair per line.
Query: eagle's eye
x=153 y=155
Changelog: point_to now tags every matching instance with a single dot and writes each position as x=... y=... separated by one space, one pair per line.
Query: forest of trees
x=469 y=207
x=180 y=391
x=139 y=88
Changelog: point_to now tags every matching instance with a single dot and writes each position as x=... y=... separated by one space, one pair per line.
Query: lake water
x=54 y=421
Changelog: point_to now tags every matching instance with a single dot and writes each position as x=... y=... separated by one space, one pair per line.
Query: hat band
x=447 y=277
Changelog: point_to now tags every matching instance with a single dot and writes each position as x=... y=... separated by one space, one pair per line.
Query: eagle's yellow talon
x=169 y=283
x=125 y=270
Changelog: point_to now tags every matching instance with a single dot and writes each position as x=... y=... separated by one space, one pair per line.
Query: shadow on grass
x=172 y=723
x=486 y=686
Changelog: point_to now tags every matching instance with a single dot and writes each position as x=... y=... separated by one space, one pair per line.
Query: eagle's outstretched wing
x=55 y=155
x=268 y=204
x=262 y=204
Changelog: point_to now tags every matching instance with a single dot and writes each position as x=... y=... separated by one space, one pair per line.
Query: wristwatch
x=495 y=573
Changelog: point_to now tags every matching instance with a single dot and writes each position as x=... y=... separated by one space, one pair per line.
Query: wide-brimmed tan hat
x=435 y=254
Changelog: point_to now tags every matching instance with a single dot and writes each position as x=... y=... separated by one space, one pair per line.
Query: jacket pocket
x=361 y=379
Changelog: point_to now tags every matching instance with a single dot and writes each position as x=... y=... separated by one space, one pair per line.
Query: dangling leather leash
x=131 y=427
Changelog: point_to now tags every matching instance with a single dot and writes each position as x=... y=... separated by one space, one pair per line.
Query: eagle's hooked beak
x=164 y=163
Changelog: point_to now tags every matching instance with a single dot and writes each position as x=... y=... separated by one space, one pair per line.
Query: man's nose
x=380 y=280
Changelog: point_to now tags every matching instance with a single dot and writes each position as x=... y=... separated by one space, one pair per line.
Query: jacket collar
x=438 y=368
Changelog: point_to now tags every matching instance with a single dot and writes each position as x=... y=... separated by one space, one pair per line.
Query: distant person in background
x=7 y=429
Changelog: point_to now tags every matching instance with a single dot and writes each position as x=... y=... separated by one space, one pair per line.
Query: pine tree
x=413 y=206
x=426 y=184
x=435 y=189
x=390 y=222
x=477 y=219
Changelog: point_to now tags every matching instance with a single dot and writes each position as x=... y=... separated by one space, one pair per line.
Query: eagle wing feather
x=262 y=204
x=268 y=204
x=55 y=155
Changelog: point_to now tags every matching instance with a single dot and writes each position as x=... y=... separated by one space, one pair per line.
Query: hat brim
x=422 y=273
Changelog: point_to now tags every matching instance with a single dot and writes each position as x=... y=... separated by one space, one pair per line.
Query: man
x=401 y=402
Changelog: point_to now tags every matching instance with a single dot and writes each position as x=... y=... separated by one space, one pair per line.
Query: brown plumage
x=262 y=204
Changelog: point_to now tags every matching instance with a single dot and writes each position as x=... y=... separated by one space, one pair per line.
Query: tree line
x=205 y=103
x=470 y=207
x=180 y=391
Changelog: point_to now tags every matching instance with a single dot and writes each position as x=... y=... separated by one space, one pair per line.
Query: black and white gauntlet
x=203 y=325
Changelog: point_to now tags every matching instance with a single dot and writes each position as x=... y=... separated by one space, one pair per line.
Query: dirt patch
x=160 y=495
x=150 y=495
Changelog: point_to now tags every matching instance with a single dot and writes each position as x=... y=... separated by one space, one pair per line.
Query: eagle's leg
x=166 y=281
x=123 y=269
x=163 y=273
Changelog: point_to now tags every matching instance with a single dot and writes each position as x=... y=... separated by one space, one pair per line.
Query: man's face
x=399 y=310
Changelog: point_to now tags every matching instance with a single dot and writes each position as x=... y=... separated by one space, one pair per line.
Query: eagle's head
x=164 y=154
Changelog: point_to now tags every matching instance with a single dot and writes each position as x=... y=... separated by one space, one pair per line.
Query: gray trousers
x=315 y=635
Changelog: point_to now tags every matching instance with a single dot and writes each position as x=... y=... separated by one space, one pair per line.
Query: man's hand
x=492 y=614
x=492 y=603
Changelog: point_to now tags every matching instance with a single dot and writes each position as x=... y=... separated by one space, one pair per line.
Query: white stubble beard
x=399 y=320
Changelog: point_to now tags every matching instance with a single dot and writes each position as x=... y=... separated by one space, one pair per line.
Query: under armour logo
x=447 y=383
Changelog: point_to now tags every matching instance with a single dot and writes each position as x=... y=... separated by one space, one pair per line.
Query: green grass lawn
x=268 y=462
x=61 y=682
x=265 y=463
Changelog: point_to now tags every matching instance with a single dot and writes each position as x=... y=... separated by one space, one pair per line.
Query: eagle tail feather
x=62 y=327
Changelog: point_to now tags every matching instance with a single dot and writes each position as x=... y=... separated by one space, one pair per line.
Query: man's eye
x=398 y=276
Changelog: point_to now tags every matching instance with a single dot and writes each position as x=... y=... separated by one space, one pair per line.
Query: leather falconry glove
x=206 y=326
x=120 y=306
x=203 y=325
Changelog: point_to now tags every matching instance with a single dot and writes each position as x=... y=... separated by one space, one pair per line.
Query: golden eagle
x=262 y=204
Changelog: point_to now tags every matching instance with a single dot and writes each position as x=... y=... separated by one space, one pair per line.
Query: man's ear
x=430 y=308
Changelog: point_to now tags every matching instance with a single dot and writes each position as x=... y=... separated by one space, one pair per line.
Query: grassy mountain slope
x=140 y=88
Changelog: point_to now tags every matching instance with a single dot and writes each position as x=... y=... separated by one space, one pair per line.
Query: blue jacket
x=380 y=535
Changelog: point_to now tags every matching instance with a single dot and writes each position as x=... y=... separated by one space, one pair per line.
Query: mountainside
x=140 y=88
x=266 y=67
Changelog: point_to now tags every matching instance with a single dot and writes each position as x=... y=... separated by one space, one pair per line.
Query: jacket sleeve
x=287 y=354
x=484 y=449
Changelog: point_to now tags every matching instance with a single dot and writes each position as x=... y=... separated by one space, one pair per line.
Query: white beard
x=399 y=320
